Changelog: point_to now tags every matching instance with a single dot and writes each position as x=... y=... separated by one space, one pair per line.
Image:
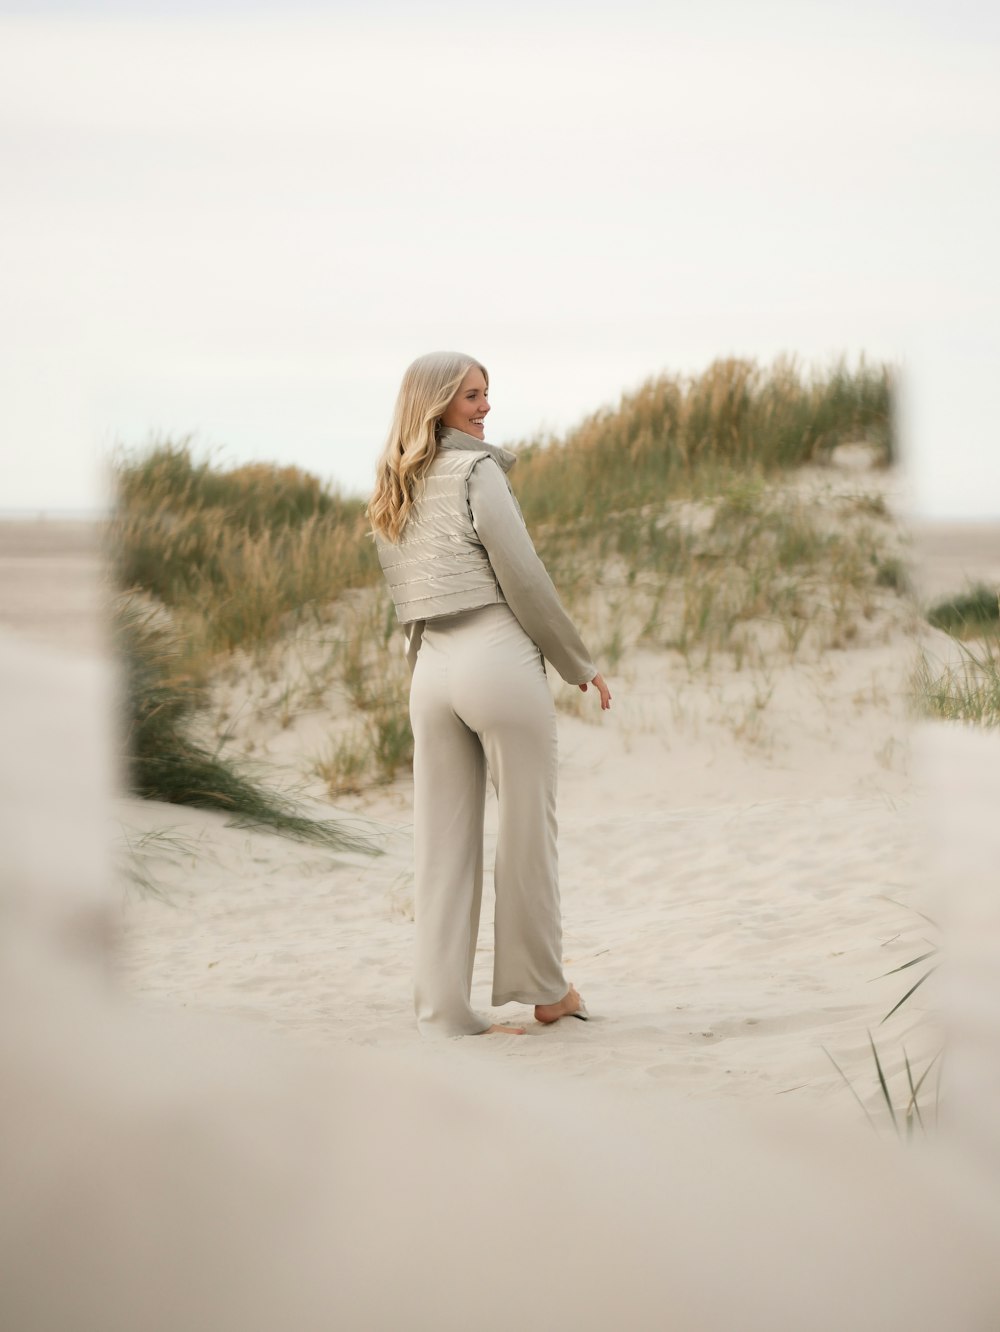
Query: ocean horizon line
x=39 y=513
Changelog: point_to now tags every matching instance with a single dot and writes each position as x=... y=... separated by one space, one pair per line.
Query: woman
x=478 y=612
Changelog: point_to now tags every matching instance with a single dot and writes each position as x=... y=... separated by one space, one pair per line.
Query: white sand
x=205 y=1144
x=727 y=838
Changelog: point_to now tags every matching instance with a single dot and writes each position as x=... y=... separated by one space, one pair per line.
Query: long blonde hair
x=428 y=386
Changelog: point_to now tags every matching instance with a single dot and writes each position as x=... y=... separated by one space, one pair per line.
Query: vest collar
x=450 y=438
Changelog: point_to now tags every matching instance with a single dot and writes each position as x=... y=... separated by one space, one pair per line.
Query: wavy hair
x=428 y=386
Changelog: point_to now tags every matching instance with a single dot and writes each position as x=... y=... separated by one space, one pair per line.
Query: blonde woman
x=479 y=613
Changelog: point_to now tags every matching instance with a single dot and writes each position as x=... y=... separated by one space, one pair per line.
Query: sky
x=237 y=225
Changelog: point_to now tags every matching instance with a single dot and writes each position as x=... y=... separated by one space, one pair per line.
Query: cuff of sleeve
x=591 y=670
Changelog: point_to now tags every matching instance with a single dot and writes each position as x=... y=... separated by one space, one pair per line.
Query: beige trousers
x=479 y=697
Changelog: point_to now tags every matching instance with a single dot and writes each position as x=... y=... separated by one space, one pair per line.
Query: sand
x=720 y=942
x=727 y=842
x=220 y=1114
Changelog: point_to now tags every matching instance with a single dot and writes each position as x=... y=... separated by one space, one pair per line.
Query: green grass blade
x=883 y=1084
x=912 y=1106
x=912 y=963
x=929 y=972
x=915 y=1091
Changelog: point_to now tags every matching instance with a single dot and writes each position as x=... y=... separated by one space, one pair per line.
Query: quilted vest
x=439 y=565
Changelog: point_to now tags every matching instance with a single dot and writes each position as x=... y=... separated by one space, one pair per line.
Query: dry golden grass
x=966 y=692
x=687 y=435
x=234 y=553
x=757 y=571
x=659 y=519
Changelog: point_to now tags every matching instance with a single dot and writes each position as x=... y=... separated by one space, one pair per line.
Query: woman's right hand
x=600 y=684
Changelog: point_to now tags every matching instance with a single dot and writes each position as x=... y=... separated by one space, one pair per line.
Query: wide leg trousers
x=479 y=701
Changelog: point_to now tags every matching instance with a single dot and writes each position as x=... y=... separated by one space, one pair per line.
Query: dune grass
x=165 y=762
x=680 y=486
x=968 y=614
x=754 y=571
x=238 y=555
x=911 y=1113
x=233 y=552
x=687 y=435
x=967 y=692
x=236 y=552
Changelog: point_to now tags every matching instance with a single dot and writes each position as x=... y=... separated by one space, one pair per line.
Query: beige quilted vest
x=439 y=566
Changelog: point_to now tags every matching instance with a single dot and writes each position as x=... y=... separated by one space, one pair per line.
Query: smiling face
x=467 y=409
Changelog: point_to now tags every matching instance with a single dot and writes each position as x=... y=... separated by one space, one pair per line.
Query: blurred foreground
x=166 y=1169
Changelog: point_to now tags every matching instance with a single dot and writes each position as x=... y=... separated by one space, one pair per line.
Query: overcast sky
x=224 y=222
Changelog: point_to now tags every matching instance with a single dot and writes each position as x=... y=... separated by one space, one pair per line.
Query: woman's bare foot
x=569 y=1003
x=499 y=1026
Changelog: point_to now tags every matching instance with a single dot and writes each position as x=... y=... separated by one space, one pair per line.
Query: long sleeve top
x=523 y=578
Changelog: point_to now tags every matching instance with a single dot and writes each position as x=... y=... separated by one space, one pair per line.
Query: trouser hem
x=431 y=1032
x=530 y=997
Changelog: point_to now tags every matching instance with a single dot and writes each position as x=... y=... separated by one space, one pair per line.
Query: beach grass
x=165 y=761
x=687 y=435
x=755 y=570
x=909 y=1113
x=663 y=520
x=233 y=552
x=968 y=691
x=969 y=613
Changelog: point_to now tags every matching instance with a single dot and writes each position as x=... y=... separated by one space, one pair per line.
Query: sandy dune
x=727 y=840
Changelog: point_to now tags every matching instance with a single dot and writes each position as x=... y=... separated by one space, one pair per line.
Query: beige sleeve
x=522 y=576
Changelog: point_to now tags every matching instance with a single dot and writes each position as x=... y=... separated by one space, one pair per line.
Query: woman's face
x=467 y=409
